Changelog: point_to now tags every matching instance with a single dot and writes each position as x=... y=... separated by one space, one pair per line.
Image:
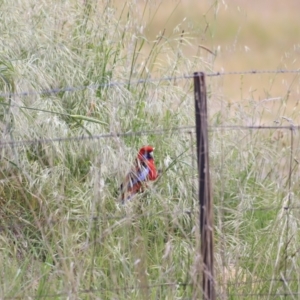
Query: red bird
x=143 y=170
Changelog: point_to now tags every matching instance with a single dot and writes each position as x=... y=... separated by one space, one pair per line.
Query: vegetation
x=72 y=75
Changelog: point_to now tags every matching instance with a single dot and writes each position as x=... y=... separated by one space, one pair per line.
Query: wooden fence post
x=205 y=199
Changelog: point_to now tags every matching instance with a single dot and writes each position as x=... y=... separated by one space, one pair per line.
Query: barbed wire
x=187 y=212
x=162 y=285
x=172 y=130
x=255 y=127
x=101 y=290
x=141 y=81
x=11 y=223
x=253 y=72
x=267 y=294
x=240 y=283
x=96 y=137
x=15 y=225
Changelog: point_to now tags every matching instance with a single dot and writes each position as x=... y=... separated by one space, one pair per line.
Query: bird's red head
x=146 y=152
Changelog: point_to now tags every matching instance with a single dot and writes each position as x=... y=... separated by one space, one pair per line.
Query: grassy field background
x=63 y=233
x=242 y=35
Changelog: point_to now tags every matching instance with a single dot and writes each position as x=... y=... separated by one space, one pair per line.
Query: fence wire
x=155 y=286
x=183 y=129
x=58 y=90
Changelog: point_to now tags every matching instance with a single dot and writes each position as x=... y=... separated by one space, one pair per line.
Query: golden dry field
x=242 y=35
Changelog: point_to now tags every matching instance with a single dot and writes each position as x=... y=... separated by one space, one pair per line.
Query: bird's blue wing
x=140 y=176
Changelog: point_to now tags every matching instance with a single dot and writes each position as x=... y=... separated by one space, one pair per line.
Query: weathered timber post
x=205 y=199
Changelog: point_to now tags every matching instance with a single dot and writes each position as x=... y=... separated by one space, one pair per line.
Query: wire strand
x=182 y=129
x=140 y=81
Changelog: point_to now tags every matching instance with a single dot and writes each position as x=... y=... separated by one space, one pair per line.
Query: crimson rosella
x=143 y=170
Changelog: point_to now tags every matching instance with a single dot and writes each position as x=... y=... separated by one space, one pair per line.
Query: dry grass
x=62 y=233
x=244 y=36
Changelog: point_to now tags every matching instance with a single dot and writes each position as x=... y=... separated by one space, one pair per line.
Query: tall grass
x=63 y=233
